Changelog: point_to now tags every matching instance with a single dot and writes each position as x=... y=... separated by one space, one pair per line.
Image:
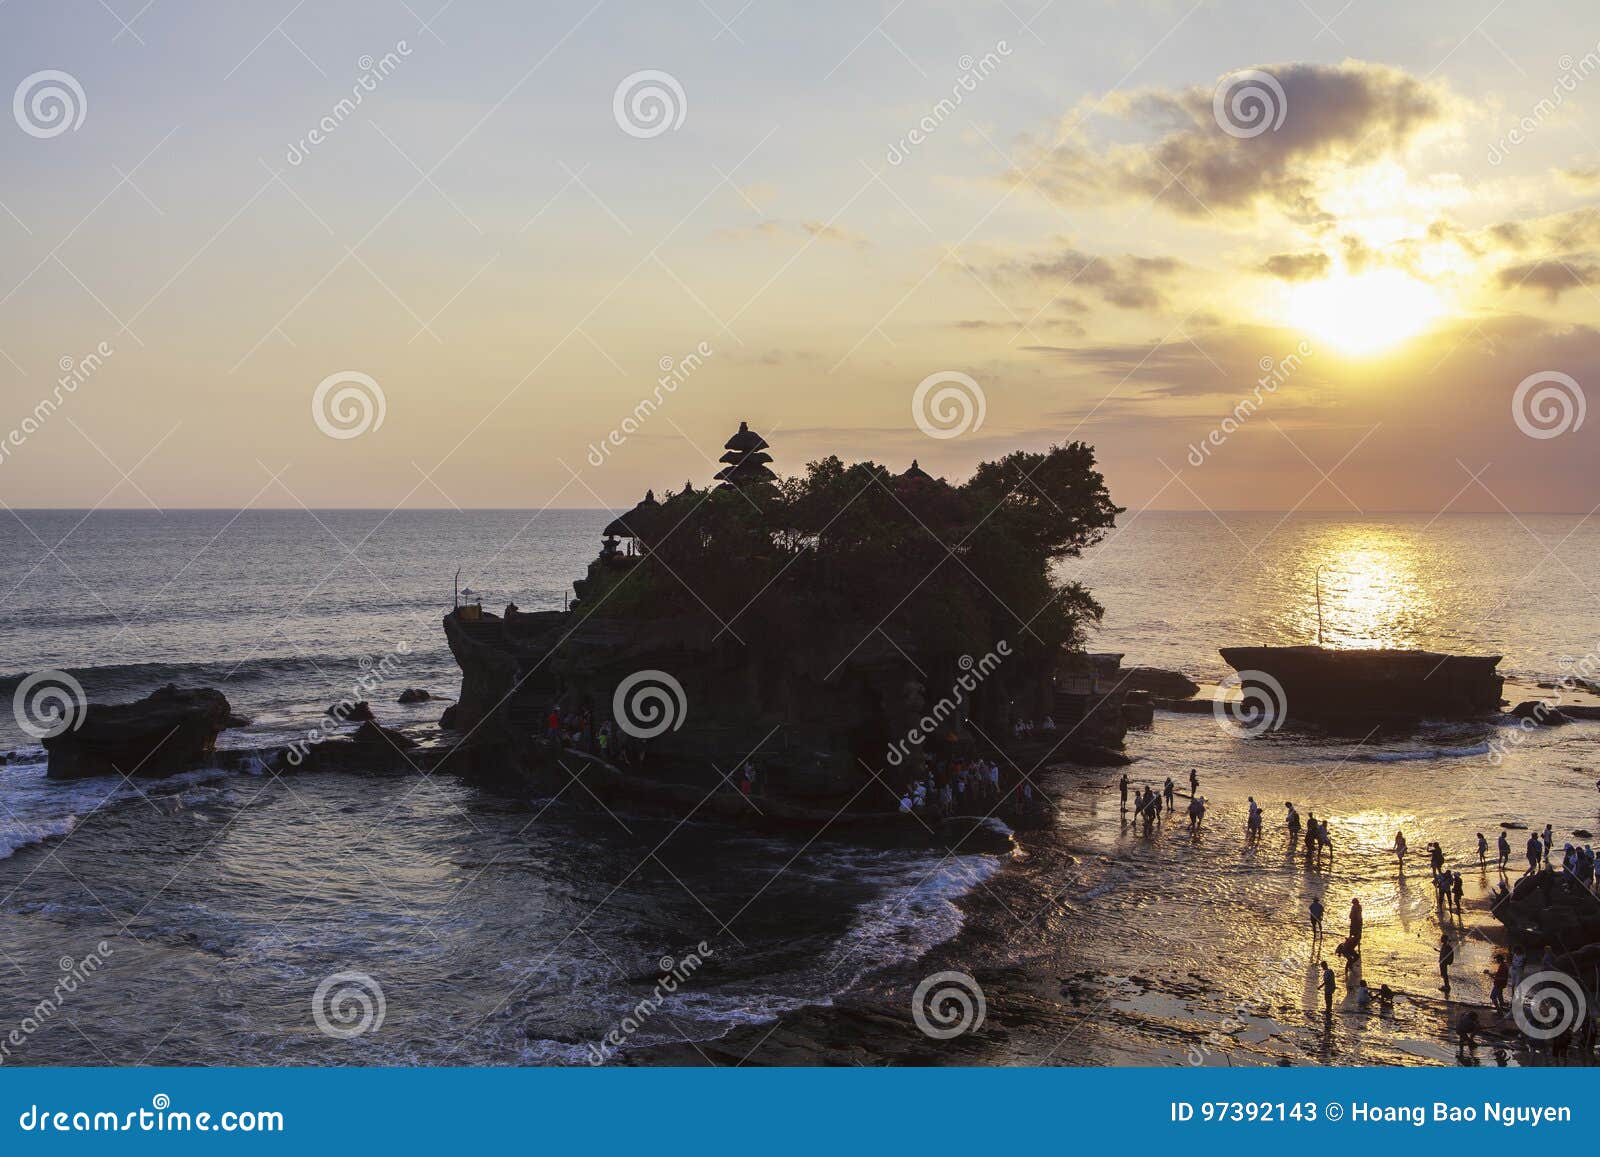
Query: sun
x=1364 y=313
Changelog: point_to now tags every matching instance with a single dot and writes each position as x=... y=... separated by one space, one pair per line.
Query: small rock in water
x=347 y=712
x=414 y=695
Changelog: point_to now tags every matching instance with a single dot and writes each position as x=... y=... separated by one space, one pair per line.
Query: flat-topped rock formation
x=168 y=731
x=1320 y=683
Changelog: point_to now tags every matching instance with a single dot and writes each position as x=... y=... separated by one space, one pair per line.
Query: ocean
x=235 y=917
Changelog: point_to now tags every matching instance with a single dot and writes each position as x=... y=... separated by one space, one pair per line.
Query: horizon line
x=88 y=510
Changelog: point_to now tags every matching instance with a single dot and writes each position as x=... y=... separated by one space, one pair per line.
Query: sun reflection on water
x=1373 y=591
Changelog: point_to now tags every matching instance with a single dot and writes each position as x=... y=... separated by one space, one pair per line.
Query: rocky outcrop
x=414 y=695
x=1541 y=712
x=349 y=711
x=1158 y=682
x=1549 y=711
x=1324 y=683
x=168 y=731
x=812 y=723
x=370 y=748
x=1549 y=907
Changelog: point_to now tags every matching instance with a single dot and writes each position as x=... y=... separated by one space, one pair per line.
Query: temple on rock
x=848 y=630
x=745 y=463
x=746 y=459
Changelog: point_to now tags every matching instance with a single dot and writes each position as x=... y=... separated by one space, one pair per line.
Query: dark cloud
x=1553 y=276
x=1332 y=116
x=1125 y=281
x=1297 y=266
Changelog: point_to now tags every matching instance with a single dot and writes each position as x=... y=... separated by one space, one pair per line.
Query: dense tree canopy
x=947 y=569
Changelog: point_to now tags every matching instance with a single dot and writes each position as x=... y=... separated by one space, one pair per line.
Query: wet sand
x=1098 y=944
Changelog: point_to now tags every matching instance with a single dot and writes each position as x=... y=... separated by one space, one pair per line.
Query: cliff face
x=814 y=725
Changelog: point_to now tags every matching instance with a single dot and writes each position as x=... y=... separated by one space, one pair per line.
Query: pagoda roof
x=745 y=472
x=746 y=440
x=636 y=521
x=735 y=457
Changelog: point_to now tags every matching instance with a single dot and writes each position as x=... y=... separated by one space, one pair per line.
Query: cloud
x=1586 y=180
x=1297 y=266
x=1333 y=117
x=1126 y=281
x=827 y=232
x=1552 y=277
x=1019 y=326
x=1199 y=362
x=772 y=228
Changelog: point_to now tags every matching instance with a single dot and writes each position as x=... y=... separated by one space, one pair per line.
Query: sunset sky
x=1089 y=228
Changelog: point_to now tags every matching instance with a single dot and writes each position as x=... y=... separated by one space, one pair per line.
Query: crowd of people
x=1510 y=967
x=1151 y=806
x=961 y=786
x=576 y=729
